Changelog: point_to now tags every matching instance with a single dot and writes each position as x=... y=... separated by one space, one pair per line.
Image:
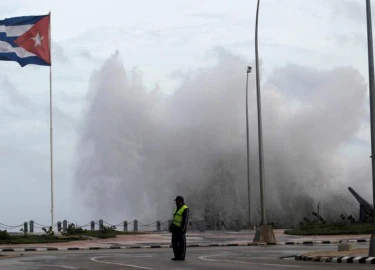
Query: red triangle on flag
x=36 y=39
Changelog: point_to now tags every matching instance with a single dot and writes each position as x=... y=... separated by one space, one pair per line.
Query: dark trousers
x=179 y=245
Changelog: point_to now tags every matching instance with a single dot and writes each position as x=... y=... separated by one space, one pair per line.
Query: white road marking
x=56 y=266
x=138 y=255
x=95 y=259
x=205 y=258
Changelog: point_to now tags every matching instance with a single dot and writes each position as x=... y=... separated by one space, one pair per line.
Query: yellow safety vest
x=177 y=216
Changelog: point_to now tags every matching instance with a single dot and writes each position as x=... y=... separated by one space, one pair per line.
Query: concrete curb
x=320 y=242
x=127 y=247
x=303 y=258
x=342 y=259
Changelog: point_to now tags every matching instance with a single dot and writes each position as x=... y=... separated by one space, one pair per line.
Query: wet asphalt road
x=210 y=258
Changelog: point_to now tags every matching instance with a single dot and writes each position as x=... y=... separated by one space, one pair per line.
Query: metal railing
x=135 y=226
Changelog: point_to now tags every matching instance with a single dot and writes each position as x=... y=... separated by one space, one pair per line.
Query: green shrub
x=4 y=235
x=109 y=229
x=72 y=229
x=319 y=226
x=49 y=231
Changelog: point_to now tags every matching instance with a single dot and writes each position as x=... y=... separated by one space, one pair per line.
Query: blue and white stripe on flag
x=12 y=29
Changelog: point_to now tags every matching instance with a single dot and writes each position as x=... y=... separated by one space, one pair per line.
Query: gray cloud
x=350 y=39
x=15 y=98
x=59 y=53
x=354 y=10
x=209 y=15
x=86 y=54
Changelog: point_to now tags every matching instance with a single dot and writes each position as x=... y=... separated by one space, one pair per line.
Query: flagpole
x=50 y=119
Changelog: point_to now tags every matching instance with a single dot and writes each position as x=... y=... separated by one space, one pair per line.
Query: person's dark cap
x=179 y=199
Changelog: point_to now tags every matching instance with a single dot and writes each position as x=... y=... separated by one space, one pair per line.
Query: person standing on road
x=178 y=229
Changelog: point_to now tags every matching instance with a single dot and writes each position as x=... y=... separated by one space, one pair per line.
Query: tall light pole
x=247 y=145
x=260 y=135
x=265 y=232
x=372 y=114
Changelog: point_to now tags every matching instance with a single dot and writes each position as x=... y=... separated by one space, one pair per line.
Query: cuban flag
x=26 y=40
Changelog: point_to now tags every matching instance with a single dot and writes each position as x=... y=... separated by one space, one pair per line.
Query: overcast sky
x=169 y=43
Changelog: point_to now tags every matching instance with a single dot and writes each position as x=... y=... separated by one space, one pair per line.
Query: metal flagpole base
x=264 y=234
x=371 y=251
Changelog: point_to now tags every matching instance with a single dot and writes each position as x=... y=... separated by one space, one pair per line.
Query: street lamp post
x=247 y=145
x=372 y=114
x=265 y=232
x=260 y=135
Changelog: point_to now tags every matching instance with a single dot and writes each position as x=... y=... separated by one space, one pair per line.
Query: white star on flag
x=38 y=39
